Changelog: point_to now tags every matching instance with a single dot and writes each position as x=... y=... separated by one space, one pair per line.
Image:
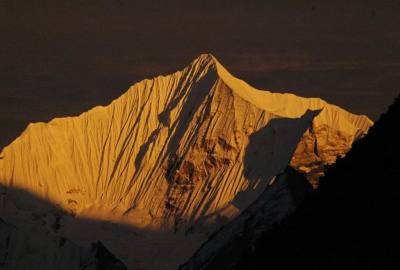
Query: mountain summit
x=183 y=152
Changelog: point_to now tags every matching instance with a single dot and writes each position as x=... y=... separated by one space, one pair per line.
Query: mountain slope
x=350 y=222
x=190 y=150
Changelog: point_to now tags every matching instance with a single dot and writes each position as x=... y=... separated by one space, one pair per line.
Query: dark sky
x=62 y=59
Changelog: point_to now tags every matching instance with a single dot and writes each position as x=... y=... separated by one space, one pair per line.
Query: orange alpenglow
x=186 y=150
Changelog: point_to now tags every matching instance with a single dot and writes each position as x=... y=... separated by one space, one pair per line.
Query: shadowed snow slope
x=38 y=249
x=186 y=151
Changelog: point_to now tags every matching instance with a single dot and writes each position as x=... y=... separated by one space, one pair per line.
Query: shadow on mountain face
x=269 y=151
x=192 y=103
x=31 y=234
x=351 y=221
x=271 y=148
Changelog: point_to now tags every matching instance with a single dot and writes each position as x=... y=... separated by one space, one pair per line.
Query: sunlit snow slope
x=177 y=150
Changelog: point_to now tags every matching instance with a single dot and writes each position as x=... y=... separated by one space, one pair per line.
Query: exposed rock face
x=180 y=152
x=319 y=147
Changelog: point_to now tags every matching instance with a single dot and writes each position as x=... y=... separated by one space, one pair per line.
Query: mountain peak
x=208 y=57
x=281 y=104
x=204 y=60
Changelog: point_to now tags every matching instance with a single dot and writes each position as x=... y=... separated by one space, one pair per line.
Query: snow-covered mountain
x=176 y=157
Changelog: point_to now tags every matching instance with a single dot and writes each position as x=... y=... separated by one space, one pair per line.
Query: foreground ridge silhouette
x=349 y=222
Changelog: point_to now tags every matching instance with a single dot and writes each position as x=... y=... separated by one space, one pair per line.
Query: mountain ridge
x=209 y=60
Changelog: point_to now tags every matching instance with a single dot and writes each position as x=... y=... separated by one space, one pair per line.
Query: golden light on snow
x=175 y=151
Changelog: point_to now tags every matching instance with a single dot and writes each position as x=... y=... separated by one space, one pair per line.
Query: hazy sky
x=62 y=59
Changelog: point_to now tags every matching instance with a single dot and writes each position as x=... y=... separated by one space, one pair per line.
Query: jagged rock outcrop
x=183 y=152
